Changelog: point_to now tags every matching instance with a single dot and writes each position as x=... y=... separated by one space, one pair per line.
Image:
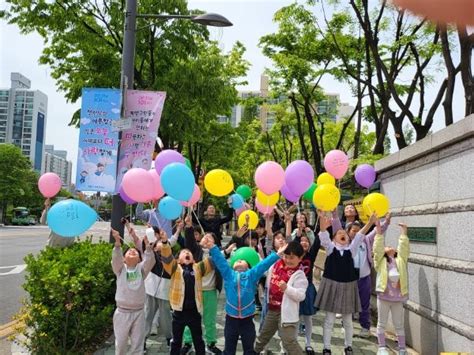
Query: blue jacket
x=240 y=287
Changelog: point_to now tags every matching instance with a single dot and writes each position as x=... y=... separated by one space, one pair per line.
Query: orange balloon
x=444 y=11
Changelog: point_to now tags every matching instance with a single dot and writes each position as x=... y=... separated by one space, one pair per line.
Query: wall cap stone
x=454 y=133
x=460 y=266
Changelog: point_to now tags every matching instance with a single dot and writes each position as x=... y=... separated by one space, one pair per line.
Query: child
x=240 y=283
x=211 y=286
x=391 y=286
x=129 y=317
x=286 y=288
x=363 y=264
x=307 y=308
x=185 y=295
x=338 y=291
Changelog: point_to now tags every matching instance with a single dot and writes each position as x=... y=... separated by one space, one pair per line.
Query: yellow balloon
x=218 y=182
x=326 y=178
x=253 y=219
x=268 y=200
x=376 y=203
x=326 y=197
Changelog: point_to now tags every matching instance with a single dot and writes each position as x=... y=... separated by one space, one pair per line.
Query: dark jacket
x=214 y=224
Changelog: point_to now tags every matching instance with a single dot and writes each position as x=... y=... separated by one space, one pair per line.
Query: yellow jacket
x=380 y=263
x=176 y=293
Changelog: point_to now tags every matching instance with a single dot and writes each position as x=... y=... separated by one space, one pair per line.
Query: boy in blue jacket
x=240 y=283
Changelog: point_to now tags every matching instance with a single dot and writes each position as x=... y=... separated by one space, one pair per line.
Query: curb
x=7 y=329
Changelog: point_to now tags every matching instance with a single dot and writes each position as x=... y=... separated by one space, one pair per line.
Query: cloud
x=115 y=110
x=85 y=121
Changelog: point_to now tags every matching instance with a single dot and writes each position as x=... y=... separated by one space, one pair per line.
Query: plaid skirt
x=338 y=297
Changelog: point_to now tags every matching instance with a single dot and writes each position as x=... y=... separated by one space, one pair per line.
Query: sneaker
x=338 y=315
x=382 y=351
x=326 y=352
x=212 y=349
x=402 y=352
x=309 y=351
x=186 y=349
x=364 y=333
x=348 y=351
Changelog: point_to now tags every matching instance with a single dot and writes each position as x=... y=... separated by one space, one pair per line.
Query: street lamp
x=126 y=80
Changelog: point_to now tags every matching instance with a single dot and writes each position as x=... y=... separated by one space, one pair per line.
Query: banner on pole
x=144 y=108
x=97 y=158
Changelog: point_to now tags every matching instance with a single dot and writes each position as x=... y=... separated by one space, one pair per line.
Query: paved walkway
x=157 y=345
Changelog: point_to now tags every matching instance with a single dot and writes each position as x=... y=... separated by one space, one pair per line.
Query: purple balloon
x=299 y=176
x=365 y=175
x=166 y=157
x=125 y=198
x=290 y=196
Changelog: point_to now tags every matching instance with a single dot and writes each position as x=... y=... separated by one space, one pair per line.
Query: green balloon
x=245 y=253
x=245 y=191
x=308 y=195
x=188 y=163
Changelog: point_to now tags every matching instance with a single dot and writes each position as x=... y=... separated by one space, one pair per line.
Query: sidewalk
x=157 y=345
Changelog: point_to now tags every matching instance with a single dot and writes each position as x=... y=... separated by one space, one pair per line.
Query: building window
x=27 y=135
x=4 y=98
x=27 y=124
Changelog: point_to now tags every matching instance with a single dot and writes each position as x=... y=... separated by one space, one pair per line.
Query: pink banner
x=144 y=108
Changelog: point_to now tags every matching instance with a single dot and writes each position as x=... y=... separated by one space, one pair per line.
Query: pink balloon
x=262 y=208
x=137 y=184
x=194 y=198
x=336 y=163
x=245 y=207
x=49 y=184
x=269 y=177
x=157 y=189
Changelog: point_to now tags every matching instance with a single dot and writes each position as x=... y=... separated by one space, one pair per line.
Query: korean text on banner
x=138 y=142
x=97 y=159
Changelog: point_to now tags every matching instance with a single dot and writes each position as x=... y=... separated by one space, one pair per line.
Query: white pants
x=329 y=324
x=152 y=305
x=129 y=324
x=396 y=308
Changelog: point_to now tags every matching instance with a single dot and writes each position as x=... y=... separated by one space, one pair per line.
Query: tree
x=83 y=47
x=18 y=182
x=301 y=58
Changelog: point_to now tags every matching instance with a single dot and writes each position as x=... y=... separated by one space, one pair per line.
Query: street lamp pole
x=126 y=81
x=126 y=78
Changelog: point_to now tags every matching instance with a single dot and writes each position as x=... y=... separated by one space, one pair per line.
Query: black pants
x=243 y=327
x=192 y=319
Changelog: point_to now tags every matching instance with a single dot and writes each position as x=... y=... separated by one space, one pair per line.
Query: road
x=15 y=243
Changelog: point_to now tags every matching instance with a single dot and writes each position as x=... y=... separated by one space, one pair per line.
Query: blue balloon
x=177 y=181
x=70 y=218
x=237 y=201
x=170 y=208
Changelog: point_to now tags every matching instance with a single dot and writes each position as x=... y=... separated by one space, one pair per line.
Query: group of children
x=185 y=287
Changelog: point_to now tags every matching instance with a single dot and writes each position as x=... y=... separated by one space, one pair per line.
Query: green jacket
x=380 y=263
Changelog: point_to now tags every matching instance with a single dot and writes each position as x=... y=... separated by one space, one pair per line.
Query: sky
x=251 y=19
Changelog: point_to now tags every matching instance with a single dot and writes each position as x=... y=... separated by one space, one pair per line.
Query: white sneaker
x=382 y=351
x=364 y=333
x=338 y=315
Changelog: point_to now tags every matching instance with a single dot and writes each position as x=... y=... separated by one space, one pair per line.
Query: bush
x=71 y=298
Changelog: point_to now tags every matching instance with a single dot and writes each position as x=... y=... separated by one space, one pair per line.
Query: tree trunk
x=451 y=79
x=466 y=43
x=299 y=128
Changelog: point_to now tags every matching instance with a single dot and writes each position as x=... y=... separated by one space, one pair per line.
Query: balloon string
x=316 y=224
x=202 y=229
x=157 y=219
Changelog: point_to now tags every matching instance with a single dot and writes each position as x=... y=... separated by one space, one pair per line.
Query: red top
x=280 y=273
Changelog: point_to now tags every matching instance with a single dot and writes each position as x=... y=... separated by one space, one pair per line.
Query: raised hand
x=179 y=224
x=188 y=221
x=146 y=242
x=242 y=230
x=282 y=249
x=388 y=218
x=47 y=203
x=231 y=248
x=324 y=221
x=116 y=236
x=403 y=228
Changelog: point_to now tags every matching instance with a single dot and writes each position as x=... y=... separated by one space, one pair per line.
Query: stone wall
x=431 y=184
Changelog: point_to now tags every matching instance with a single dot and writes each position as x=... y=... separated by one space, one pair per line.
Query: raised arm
x=361 y=235
x=189 y=240
x=269 y=234
x=169 y=263
x=288 y=218
x=379 y=246
x=257 y=272
x=142 y=214
x=336 y=221
x=384 y=225
x=221 y=263
x=325 y=240
x=228 y=216
x=174 y=239
x=403 y=249
x=149 y=259
x=117 y=256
